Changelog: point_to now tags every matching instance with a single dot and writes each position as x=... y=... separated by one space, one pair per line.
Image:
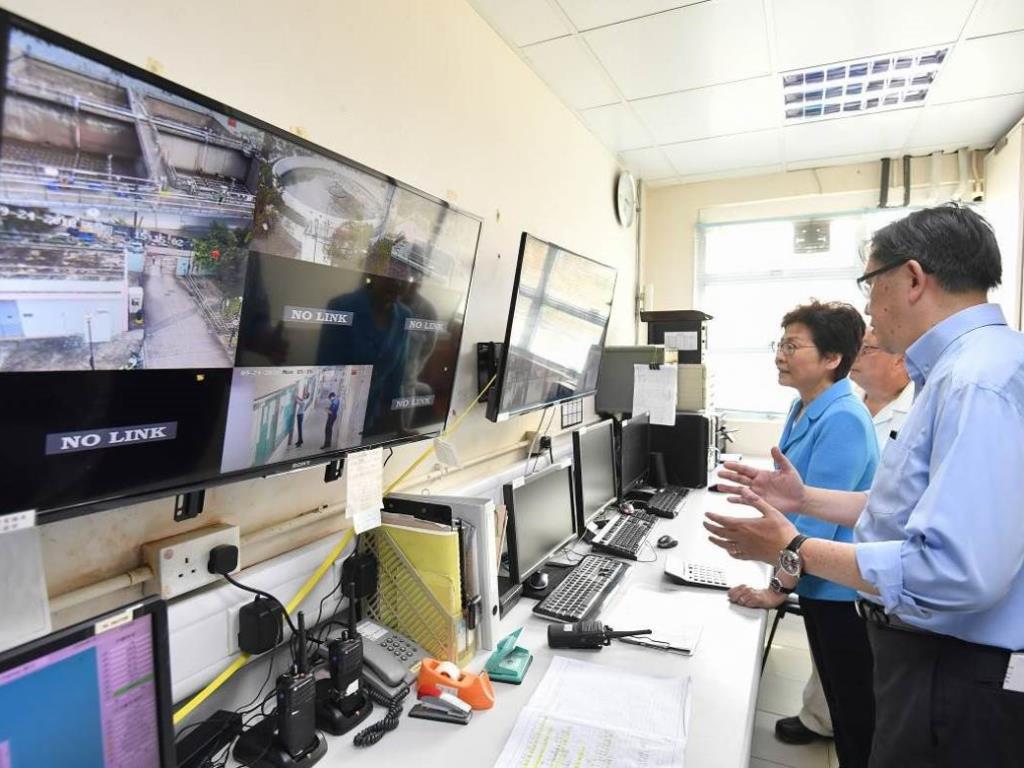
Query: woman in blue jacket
x=828 y=437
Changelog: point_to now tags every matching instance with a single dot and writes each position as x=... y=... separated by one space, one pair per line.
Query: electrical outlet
x=179 y=562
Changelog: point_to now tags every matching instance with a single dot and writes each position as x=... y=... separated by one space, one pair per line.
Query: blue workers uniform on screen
x=832 y=446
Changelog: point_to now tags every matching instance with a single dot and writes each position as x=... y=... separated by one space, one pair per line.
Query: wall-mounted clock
x=625 y=199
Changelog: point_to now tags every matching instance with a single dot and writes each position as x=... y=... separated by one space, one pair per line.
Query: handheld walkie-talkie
x=586 y=634
x=345 y=657
x=296 y=703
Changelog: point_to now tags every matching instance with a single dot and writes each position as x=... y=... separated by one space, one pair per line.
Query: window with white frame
x=751 y=273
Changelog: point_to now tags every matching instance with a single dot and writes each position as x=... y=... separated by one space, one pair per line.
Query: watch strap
x=776 y=586
x=796 y=543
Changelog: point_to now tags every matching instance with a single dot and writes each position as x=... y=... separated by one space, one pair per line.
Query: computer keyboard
x=625 y=535
x=668 y=501
x=583 y=590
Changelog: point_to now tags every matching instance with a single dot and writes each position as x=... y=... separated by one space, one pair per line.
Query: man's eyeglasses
x=867 y=349
x=788 y=348
x=865 y=281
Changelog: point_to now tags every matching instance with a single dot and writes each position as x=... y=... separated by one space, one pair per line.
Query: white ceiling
x=685 y=90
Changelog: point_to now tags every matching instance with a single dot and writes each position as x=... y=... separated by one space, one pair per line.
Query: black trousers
x=941 y=703
x=839 y=644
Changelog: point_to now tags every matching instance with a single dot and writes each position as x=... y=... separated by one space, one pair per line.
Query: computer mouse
x=627 y=508
x=539 y=580
x=666 y=542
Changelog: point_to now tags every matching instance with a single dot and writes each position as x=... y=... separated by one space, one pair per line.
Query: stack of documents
x=585 y=714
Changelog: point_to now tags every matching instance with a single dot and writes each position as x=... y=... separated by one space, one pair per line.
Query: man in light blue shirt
x=939 y=544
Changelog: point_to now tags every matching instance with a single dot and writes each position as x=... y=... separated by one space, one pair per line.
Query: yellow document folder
x=435 y=557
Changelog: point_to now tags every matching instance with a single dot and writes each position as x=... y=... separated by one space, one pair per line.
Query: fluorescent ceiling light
x=876 y=83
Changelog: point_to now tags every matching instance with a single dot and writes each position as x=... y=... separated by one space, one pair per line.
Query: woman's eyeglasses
x=788 y=348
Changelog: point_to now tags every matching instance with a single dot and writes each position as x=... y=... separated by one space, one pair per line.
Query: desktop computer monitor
x=634 y=452
x=94 y=695
x=541 y=519
x=593 y=452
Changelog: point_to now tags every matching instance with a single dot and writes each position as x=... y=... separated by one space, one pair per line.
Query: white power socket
x=179 y=562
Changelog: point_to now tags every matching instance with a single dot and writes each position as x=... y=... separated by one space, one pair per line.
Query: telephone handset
x=388 y=658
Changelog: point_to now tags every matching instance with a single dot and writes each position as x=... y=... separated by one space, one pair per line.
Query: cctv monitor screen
x=190 y=296
x=634 y=450
x=541 y=518
x=556 y=329
x=594 y=464
x=95 y=695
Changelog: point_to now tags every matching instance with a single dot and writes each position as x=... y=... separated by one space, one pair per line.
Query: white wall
x=671 y=215
x=424 y=91
x=1004 y=206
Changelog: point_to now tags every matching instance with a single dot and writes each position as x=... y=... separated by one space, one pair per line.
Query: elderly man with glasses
x=938 y=549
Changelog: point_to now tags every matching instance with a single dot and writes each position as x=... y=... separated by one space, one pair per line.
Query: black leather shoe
x=792 y=731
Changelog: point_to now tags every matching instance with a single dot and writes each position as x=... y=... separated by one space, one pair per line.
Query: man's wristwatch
x=789 y=558
x=776 y=586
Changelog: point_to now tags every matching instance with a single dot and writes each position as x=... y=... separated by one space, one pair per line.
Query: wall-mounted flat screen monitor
x=190 y=296
x=561 y=303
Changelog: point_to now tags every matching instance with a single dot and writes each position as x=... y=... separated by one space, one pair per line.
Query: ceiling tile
x=880 y=134
x=617 y=127
x=719 y=110
x=648 y=163
x=571 y=73
x=587 y=14
x=986 y=66
x=994 y=16
x=692 y=47
x=977 y=123
x=725 y=153
x=812 y=33
x=524 y=21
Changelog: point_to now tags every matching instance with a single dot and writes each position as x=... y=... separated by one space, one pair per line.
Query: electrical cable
x=374 y=733
x=324 y=566
x=267 y=595
x=541 y=432
x=244 y=658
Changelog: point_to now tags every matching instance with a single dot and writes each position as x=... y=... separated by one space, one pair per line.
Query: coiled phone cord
x=374 y=733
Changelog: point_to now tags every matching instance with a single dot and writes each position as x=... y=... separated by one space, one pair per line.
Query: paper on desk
x=585 y=714
x=645 y=608
x=364 y=483
x=685 y=341
x=654 y=391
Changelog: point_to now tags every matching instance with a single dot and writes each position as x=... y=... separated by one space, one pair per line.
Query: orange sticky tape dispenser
x=475 y=690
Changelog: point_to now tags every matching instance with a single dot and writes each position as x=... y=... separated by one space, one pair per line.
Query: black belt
x=875 y=614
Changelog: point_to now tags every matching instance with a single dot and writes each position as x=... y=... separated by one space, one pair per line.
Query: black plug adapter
x=259 y=625
x=223 y=559
x=360 y=569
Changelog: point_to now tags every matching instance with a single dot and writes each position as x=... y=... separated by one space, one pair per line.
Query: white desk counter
x=725 y=667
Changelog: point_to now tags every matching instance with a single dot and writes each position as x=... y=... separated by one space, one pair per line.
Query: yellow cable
x=318 y=574
x=218 y=681
x=430 y=448
x=243 y=659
